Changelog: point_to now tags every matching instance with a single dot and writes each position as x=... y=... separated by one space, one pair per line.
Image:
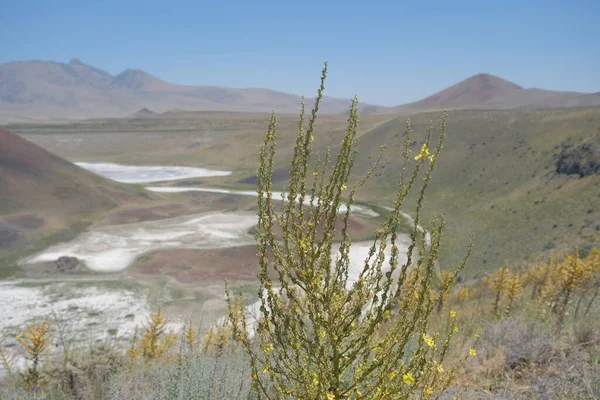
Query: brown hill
x=471 y=92
x=485 y=91
x=42 y=194
x=41 y=89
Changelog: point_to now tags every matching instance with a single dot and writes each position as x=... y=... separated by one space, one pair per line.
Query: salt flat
x=145 y=174
x=121 y=310
x=113 y=248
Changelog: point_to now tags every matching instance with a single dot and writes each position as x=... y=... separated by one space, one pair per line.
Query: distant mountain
x=144 y=112
x=485 y=91
x=51 y=90
x=43 y=89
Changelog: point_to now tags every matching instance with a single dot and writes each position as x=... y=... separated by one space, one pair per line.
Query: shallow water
x=145 y=174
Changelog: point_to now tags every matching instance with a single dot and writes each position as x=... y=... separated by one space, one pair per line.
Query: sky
x=385 y=52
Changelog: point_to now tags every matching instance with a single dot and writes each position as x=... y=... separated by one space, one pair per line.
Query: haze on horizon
x=387 y=54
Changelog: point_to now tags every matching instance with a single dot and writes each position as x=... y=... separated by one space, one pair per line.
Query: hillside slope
x=485 y=91
x=43 y=195
x=39 y=89
x=497 y=178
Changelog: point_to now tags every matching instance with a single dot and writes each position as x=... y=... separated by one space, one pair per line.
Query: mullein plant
x=447 y=282
x=565 y=280
x=323 y=334
x=498 y=284
x=537 y=276
x=155 y=341
x=36 y=339
x=593 y=260
x=514 y=285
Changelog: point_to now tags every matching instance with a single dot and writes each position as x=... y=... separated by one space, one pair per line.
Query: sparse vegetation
x=533 y=351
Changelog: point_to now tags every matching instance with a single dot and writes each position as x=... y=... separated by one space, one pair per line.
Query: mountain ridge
x=48 y=89
x=51 y=89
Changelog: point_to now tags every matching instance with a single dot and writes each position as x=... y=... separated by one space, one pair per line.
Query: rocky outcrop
x=67 y=264
x=582 y=160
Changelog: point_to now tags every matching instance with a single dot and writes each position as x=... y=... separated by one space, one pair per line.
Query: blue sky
x=385 y=52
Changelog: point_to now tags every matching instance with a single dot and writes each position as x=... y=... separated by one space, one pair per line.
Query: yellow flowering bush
x=155 y=341
x=498 y=283
x=36 y=339
x=325 y=333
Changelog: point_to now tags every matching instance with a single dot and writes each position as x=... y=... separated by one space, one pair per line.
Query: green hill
x=498 y=178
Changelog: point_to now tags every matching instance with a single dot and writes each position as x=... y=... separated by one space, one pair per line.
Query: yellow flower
x=472 y=352
x=387 y=314
x=344 y=187
x=331 y=396
x=423 y=153
x=429 y=340
x=453 y=313
x=408 y=378
x=429 y=391
x=302 y=244
x=315 y=173
x=268 y=347
x=393 y=374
